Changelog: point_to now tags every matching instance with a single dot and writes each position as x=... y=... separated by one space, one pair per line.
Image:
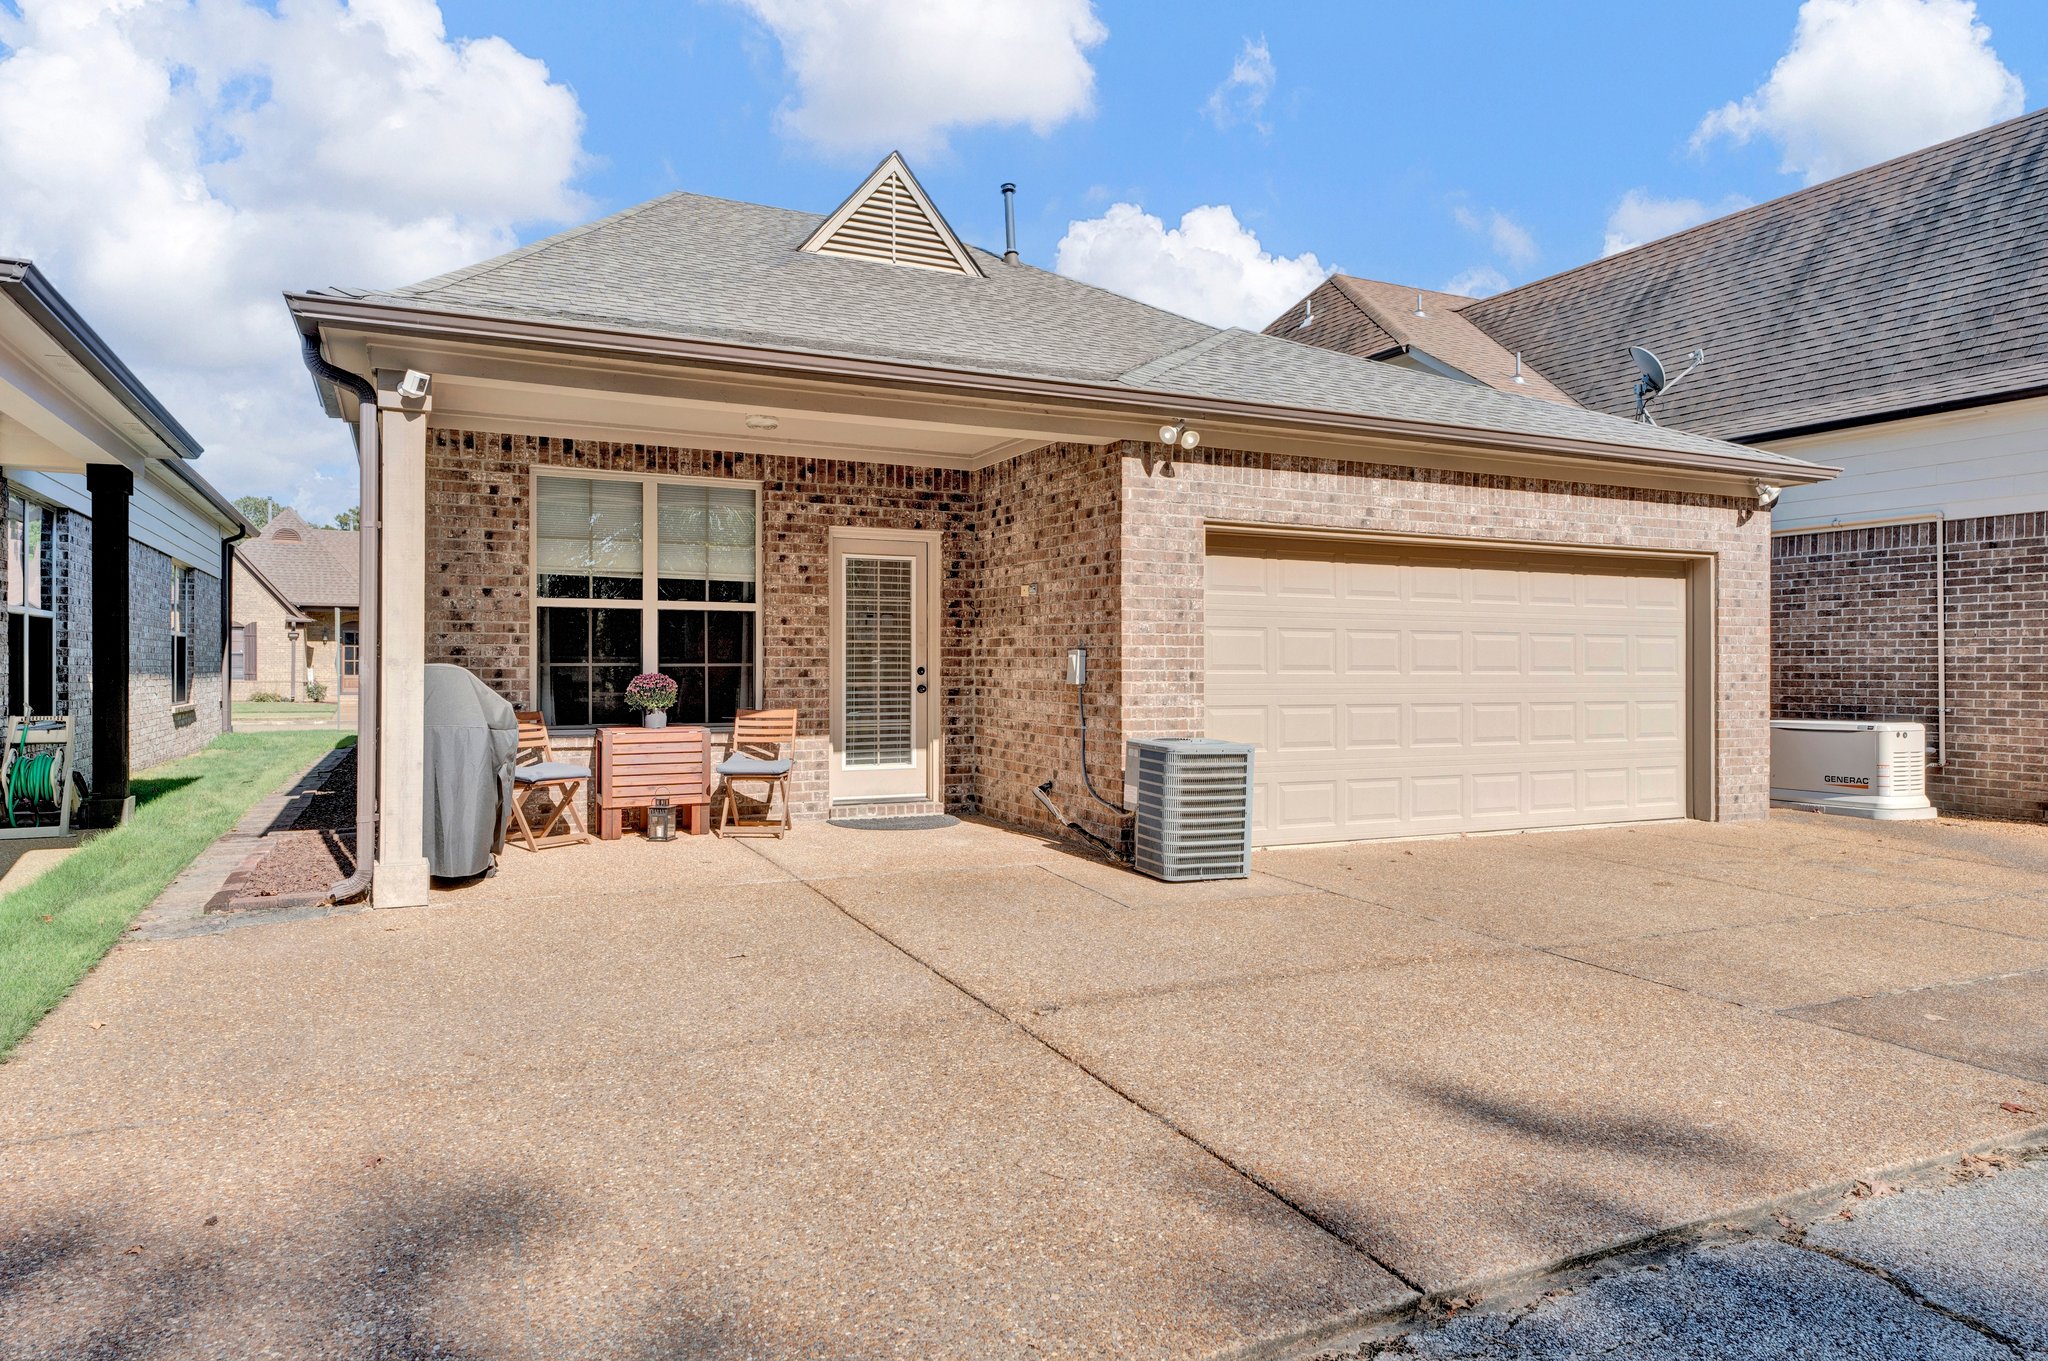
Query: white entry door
x=884 y=681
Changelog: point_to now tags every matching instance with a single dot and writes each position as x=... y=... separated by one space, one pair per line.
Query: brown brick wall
x=1115 y=556
x=1854 y=637
x=1050 y=573
x=274 y=670
x=478 y=554
x=1165 y=513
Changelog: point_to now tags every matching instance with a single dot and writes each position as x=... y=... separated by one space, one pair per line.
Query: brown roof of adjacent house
x=1916 y=284
x=1379 y=320
x=311 y=567
x=256 y=574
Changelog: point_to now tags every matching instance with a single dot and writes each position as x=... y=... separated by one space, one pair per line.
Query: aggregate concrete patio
x=964 y=1093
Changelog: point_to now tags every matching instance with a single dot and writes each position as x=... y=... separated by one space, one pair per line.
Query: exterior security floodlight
x=1178 y=433
x=414 y=385
x=1767 y=494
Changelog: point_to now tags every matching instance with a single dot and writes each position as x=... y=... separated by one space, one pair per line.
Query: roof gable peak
x=891 y=219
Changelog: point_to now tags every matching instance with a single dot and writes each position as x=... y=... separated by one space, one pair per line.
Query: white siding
x=158 y=514
x=1991 y=460
x=59 y=489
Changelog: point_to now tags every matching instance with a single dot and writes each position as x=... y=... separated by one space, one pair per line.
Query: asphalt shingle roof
x=711 y=269
x=1913 y=283
x=320 y=567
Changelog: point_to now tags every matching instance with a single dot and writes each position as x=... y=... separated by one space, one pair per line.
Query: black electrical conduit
x=370 y=459
x=1044 y=791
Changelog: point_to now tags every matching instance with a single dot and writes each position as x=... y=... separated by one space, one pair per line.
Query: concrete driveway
x=962 y=1093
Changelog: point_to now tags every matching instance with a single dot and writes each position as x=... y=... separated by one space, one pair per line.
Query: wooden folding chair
x=758 y=736
x=561 y=781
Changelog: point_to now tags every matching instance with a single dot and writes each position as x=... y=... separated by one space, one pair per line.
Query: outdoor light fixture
x=661 y=820
x=1178 y=433
x=1767 y=494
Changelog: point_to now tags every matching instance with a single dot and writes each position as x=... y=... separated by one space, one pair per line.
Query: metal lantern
x=661 y=821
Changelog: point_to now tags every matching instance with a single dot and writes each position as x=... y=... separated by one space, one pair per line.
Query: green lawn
x=58 y=927
x=281 y=709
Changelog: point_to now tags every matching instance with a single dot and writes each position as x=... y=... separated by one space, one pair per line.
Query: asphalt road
x=1950 y=1272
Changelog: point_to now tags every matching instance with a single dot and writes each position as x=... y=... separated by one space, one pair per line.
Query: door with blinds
x=884 y=681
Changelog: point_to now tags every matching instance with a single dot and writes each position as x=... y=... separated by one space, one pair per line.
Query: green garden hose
x=33 y=778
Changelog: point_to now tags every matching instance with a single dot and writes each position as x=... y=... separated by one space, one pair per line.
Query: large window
x=614 y=599
x=31 y=608
x=184 y=595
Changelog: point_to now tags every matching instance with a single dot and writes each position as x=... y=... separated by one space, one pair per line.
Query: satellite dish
x=1652 y=381
x=1652 y=367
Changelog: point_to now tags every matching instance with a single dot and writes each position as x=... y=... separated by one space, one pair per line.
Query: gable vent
x=889 y=219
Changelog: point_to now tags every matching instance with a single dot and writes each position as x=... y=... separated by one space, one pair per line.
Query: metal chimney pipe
x=1009 y=224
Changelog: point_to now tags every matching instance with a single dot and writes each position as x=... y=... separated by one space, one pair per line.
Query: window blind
x=879 y=665
x=588 y=527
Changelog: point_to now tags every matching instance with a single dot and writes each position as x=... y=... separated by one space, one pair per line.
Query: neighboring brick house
x=849 y=464
x=1893 y=322
x=296 y=622
x=114 y=549
x=262 y=637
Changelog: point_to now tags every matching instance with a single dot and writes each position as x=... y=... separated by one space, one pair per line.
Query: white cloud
x=1509 y=239
x=1241 y=98
x=1868 y=79
x=1210 y=267
x=872 y=75
x=1642 y=216
x=1477 y=282
x=175 y=167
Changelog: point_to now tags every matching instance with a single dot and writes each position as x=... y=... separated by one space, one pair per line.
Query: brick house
x=262 y=636
x=115 y=549
x=1891 y=322
x=849 y=464
x=297 y=589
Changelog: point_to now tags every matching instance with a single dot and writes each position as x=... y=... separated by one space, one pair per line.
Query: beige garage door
x=1398 y=692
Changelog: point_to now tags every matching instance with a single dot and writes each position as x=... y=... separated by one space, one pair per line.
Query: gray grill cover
x=472 y=738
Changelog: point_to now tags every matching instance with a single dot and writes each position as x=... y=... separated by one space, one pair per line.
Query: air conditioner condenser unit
x=1864 y=770
x=1192 y=797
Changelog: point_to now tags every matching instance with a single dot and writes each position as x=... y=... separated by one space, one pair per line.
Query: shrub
x=266 y=697
x=316 y=691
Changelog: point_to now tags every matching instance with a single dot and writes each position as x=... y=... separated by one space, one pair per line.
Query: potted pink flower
x=651 y=693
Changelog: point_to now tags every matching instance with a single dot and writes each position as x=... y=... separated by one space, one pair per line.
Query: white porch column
x=401 y=866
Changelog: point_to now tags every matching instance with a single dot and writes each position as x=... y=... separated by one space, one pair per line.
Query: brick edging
x=198 y=888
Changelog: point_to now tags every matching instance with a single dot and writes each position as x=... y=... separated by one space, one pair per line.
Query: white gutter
x=1939 y=519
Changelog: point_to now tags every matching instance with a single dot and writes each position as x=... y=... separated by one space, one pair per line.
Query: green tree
x=352 y=518
x=257 y=510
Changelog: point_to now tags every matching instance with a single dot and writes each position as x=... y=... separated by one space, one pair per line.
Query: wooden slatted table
x=635 y=766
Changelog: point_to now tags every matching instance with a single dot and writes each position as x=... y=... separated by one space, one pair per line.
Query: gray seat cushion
x=743 y=764
x=542 y=771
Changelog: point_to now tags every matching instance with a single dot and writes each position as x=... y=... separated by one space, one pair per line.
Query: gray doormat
x=928 y=822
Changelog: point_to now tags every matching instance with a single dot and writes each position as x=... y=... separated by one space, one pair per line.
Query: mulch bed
x=315 y=851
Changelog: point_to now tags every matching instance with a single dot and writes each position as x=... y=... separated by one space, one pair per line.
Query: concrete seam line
x=1014 y=1023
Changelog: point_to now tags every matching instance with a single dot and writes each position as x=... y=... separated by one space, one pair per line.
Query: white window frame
x=18 y=666
x=649 y=604
x=181 y=634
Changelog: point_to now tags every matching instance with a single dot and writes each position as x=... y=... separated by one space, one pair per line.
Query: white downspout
x=1939 y=519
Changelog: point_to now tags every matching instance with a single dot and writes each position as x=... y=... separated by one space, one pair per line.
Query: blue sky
x=1384 y=119
x=176 y=165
